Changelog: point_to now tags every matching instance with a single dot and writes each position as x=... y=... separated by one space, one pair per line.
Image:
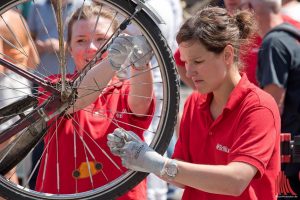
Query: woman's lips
x=198 y=82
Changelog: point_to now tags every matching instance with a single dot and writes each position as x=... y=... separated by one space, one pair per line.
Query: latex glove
x=134 y=153
x=134 y=49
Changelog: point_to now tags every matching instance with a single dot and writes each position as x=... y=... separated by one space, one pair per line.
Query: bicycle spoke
x=72 y=132
x=102 y=150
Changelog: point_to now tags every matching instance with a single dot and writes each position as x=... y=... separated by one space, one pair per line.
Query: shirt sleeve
x=256 y=139
x=274 y=62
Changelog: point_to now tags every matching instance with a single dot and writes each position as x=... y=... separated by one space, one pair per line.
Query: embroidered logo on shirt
x=222 y=148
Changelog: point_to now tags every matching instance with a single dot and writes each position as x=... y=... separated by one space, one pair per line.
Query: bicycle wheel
x=36 y=125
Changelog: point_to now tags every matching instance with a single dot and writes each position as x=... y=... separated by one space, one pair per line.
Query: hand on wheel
x=134 y=48
x=134 y=153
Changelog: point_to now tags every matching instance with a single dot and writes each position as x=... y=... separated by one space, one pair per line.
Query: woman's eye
x=80 y=40
x=199 y=61
x=100 y=39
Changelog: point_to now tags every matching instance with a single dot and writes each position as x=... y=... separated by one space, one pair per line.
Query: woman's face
x=206 y=69
x=86 y=39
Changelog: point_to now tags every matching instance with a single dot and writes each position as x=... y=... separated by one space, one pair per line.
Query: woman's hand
x=134 y=49
x=135 y=153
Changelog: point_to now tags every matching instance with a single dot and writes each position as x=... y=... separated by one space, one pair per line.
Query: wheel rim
x=160 y=127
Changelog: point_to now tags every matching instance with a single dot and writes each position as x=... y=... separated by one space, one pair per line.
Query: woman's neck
x=221 y=96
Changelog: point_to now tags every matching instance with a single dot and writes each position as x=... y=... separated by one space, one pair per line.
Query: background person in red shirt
x=84 y=128
x=224 y=151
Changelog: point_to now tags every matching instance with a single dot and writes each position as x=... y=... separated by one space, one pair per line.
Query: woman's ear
x=228 y=55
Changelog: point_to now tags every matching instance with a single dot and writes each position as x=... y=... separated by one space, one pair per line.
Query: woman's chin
x=202 y=90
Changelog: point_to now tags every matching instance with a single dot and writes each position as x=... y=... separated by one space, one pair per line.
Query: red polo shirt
x=93 y=123
x=247 y=131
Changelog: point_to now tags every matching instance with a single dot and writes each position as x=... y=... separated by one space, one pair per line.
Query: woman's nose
x=92 y=46
x=189 y=70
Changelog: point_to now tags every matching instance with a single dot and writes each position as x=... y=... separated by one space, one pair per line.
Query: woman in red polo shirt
x=228 y=146
x=75 y=141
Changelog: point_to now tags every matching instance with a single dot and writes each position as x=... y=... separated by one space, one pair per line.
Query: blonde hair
x=88 y=11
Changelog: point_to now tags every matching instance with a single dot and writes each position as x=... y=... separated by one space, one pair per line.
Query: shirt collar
x=238 y=93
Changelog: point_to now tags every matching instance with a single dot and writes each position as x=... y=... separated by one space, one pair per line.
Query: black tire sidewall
x=168 y=121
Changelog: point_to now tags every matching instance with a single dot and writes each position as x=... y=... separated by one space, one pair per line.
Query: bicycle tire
x=166 y=124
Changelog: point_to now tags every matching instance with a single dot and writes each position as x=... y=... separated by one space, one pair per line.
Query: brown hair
x=88 y=11
x=215 y=28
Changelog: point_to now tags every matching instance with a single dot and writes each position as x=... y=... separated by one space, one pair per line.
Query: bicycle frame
x=48 y=112
x=35 y=79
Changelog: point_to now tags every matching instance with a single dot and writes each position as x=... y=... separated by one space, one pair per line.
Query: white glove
x=135 y=49
x=134 y=153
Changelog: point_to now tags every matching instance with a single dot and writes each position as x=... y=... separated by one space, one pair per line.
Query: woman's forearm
x=231 y=179
x=141 y=90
